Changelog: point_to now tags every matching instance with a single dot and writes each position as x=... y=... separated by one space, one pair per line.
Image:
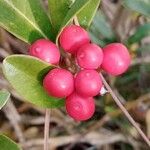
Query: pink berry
x=89 y=56
x=59 y=83
x=116 y=59
x=88 y=83
x=72 y=37
x=80 y=108
x=45 y=50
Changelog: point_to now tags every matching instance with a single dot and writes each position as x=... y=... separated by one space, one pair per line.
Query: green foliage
x=141 y=32
x=58 y=10
x=28 y=21
x=100 y=30
x=85 y=16
x=4 y=97
x=141 y=6
x=25 y=73
x=25 y=19
x=77 y=6
x=7 y=144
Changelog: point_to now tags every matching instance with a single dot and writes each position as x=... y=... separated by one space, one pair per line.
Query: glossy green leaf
x=141 y=32
x=77 y=6
x=25 y=73
x=58 y=10
x=86 y=15
x=4 y=97
x=7 y=144
x=141 y=6
x=25 y=19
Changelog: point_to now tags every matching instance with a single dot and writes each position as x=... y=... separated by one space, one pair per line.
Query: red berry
x=45 y=50
x=89 y=56
x=80 y=108
x=88 y=83
x=72 y=37
x=116 y=59
x=59 y=83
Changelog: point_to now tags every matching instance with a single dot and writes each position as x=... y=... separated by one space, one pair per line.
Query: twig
x=147 y=119
x=46 y=129
x=120 y=104
x=18 y=45
x=138 y=61
x=125 y=111
x=3 y=53
x=39 y=120
x=130 y=105
x=4 y=41
x=117 y=112
x=98 y=124
x=96 y=138
x=14 y=118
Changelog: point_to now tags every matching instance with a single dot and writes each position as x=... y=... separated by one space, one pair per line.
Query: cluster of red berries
x=79 y=89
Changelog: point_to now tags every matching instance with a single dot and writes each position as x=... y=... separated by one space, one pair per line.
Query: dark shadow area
x=77 y=146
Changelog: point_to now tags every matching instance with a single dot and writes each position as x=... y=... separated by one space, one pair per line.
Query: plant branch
x=106 y=136
x=46 y=129
x=14 y=118
x=120 y=105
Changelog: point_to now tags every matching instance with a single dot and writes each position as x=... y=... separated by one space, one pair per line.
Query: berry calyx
x=116 y=59
x=59 y=83
x=80 y=108
x=72 y=37
x=89 y=56
x=45 y=50
x=88 y=83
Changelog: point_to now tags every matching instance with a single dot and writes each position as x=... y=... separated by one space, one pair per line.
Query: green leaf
x=4 y=97
x=25 y=19
x=58 y=10
x=141 y=32
x=86 y=15
x=74 y=10
x=100 y=30
x=7 y=144
x=141 y=6
x=101 y=26
x=25 y=73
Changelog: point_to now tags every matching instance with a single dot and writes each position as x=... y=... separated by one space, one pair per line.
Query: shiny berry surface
x=72 y=37
x=80 y=108
x=59 y=83
x=45 y=50
x=116 y=59
x=88 y=83
x=90 y=56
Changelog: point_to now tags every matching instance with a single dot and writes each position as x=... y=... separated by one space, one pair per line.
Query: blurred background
x=125 y=21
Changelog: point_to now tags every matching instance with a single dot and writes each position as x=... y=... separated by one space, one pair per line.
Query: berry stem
x=46 y=129
x=120 y=105
x=76 y=22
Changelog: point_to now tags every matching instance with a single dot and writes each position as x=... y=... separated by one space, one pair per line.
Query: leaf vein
x=33 y=24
